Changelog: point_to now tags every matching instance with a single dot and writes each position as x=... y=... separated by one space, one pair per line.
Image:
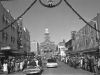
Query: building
x=68 y=45
x=87 y=39
x=23 y=37
x=35 y=47
x=10 y=38
x=62 y=48
x=47 y=48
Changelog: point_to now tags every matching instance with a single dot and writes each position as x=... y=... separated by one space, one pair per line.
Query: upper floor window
x=13 y=27
x=86 y=42
x=4 y=19
x=12 y=39
x=95 y=26
x=7 y=21
x=3 y=35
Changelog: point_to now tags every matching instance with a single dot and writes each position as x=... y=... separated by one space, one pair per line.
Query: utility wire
x=19 y=16
x=80 y=17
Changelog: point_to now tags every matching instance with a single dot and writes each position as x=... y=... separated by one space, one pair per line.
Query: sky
x=60 y=20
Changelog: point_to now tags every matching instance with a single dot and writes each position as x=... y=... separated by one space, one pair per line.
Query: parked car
x=51 y=63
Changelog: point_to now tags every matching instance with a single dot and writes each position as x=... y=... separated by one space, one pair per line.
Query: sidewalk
x=11 y=73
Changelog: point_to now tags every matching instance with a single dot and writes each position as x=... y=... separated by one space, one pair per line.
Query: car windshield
x=32 y=63
x=51 y=60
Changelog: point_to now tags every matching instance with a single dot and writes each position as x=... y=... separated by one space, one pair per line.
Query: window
x=86 y=42
x=3 y=35
x=4 y=19
x=95 y=26
x=6 y=36
x=7 y=22
x=11 y=39
x=83 y=43
x=90 y=29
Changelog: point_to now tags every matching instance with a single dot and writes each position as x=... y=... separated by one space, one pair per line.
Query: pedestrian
x=25 y=64
x=99 y=65
x=40 y=62
x=92 y=63
x=95 y=65
x=5 y=67
x=16 y=65
x=21 y=65
x=0 y=67
x=36 y=62
x=9 y=67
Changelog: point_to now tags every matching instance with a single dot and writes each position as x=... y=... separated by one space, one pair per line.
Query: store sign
x=4 y=48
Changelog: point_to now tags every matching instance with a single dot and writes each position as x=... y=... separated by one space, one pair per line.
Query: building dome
x=46 y=30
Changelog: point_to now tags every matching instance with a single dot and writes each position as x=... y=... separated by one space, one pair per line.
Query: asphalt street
x=62 y=69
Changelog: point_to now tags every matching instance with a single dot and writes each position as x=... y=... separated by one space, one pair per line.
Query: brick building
x=87 y=38
x=9 y=38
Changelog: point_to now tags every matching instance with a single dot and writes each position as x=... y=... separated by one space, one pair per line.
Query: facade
x=47 y=48
x=62 y=48
x=87 y=38
x=10 y=38
x=23 y=37
x=35 y=46
x=68 y=45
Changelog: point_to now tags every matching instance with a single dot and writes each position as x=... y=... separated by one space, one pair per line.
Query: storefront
x=6 y=53
x=91 y=51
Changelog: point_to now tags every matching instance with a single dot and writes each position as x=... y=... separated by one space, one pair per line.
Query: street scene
x=49 y=37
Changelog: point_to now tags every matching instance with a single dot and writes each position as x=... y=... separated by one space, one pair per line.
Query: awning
x=86 y=50
x=16 y=53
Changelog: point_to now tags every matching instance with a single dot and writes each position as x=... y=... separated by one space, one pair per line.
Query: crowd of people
x=86 y=62
x=15 y=65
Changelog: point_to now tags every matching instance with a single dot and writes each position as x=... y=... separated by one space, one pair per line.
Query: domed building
x=47 y=48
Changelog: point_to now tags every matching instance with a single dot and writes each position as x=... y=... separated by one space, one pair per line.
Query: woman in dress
x=5 y=67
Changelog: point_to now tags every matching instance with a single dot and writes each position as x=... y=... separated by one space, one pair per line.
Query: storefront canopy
x=86 y=50
x=17 y=53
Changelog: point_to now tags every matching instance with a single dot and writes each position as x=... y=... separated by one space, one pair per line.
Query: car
x=51 y=63
x=33 y=70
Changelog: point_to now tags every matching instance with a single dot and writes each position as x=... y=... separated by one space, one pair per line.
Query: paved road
x=62 y=69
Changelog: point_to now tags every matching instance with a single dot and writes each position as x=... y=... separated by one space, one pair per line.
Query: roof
x=62 y=43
